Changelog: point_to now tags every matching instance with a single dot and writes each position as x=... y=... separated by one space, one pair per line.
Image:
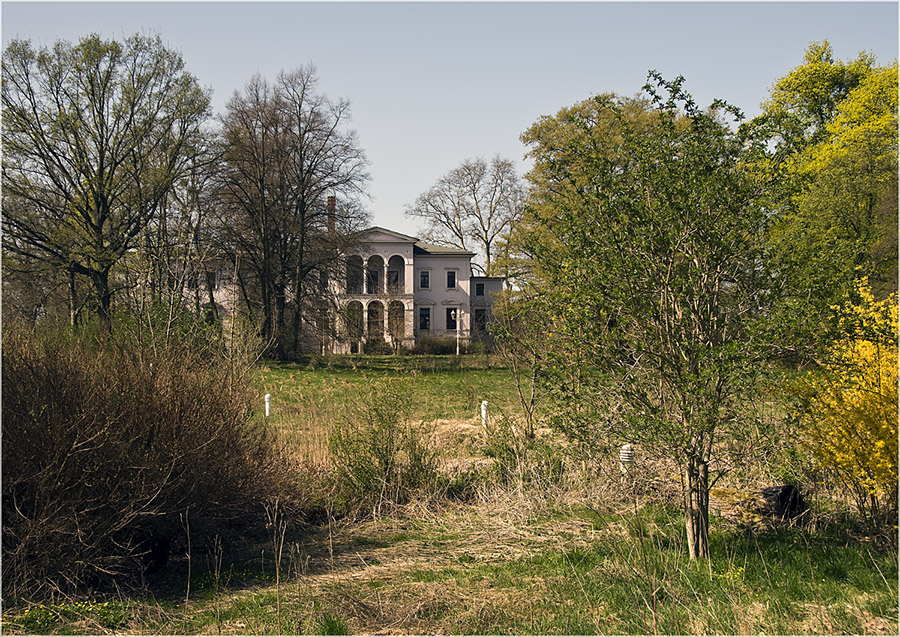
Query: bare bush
x=105 y=445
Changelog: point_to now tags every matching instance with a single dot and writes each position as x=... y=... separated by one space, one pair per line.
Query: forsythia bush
x=852 y=415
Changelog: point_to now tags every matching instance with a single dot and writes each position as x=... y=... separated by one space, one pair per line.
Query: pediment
x=377 y=234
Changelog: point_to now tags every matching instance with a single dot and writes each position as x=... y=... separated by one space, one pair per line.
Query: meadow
x=503 y=539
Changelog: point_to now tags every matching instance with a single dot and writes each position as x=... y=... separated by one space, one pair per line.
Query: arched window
x=354 y=320
x=396 y=320
x=396 y=279
x=375 y=275
x=375 y=323
x=354 y=274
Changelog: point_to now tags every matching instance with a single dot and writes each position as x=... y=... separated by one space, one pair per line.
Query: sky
x=432 y=84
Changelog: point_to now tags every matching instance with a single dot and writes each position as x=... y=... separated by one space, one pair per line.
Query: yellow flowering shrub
x=852 y=415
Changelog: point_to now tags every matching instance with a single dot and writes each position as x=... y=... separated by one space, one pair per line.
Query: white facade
x=398 y=290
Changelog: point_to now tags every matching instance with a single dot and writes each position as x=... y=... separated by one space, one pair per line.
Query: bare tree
x=175 y=266
x=94 y=137
x=326 y=161
x=472 y=206
x=286 y=152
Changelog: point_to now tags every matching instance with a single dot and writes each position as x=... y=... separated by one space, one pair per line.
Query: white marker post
x=268 y=404
x=626 y=461
x=484 y=414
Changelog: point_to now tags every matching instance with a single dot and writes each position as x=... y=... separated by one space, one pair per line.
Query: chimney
x=331 y=214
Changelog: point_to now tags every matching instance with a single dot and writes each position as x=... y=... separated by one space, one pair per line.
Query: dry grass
x=533 y=555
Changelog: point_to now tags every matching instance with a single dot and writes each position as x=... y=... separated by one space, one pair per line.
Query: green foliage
x=331 y=625
x=38 y=619
x=832 y=132
x=804 y=101
x=94 y=137
x=381 y=456
x=434 y=346
x=645 y=230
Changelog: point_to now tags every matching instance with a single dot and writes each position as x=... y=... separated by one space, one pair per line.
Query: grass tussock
x=380 y=456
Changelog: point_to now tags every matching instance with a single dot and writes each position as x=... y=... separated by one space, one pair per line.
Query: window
x=425 y=318
x=479 y=319
x=479 y=289
x=451 y=279
x=393 y=281
x=451 y=318
x=424 y=279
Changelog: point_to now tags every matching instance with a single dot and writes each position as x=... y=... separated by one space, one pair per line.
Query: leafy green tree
x=94 y=136
x=832 y=132
x=804 y=101
x=852 y=192
x=645 y=231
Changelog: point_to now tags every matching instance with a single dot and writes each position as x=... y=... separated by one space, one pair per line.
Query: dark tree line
x=120 y=192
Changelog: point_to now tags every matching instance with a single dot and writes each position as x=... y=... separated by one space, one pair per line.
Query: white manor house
x=400 y=290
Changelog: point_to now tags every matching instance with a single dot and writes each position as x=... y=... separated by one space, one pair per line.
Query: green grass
x=309 y=399
x=551 y=566
x=440 y=386
x=633 y=577
x=782 y=581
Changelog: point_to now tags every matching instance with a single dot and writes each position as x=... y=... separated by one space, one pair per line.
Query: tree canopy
x=645 y=229
x=94 y=136
x=831 y=129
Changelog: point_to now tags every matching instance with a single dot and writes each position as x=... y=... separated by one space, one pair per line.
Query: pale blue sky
x=432 y=84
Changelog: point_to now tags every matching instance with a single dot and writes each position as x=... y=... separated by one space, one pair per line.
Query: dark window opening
x=424 y=282
x=479 y=289
x=479 y=319
x=451 y=318
x=451 y=279
x=355 y=276
x=425 y=318
x=373 y=282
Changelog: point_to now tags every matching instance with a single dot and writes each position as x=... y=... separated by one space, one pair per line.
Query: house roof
x=432 y=249
x=377 y=234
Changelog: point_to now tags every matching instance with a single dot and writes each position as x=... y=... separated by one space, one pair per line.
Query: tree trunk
x=244 y=295
x=695 y=488
x=297 y=319
x=212 y=315
x=279 y=305
x=297 y=324
x=100 y=280
x=73 y=300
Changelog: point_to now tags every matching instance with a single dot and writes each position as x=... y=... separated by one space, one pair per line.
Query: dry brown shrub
x=107 y=447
